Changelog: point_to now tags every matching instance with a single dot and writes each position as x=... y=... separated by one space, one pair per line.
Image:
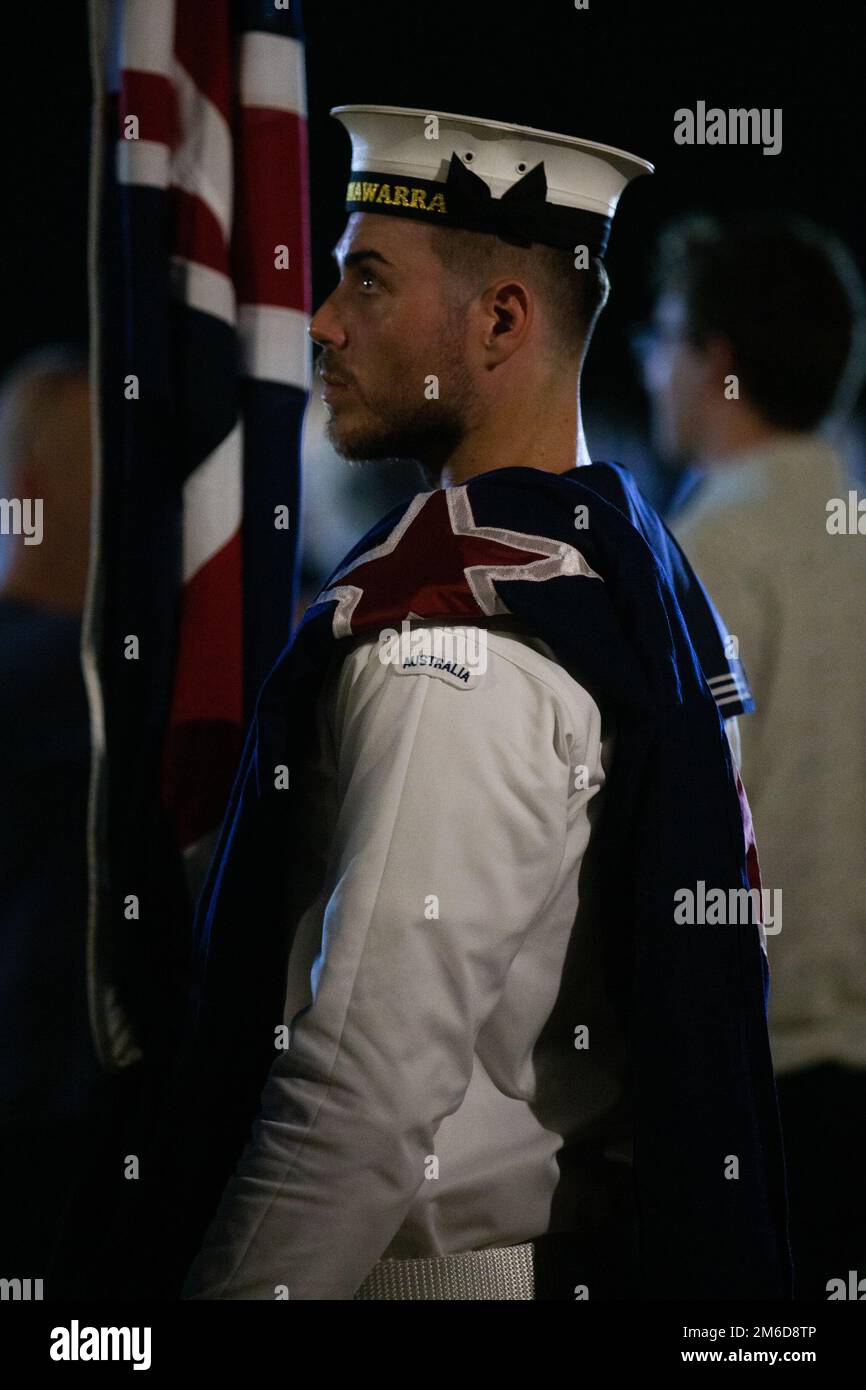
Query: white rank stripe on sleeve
x=450 y=832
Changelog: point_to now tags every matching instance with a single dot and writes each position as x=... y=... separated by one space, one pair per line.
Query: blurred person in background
x=49 y=1073
x=756 y=347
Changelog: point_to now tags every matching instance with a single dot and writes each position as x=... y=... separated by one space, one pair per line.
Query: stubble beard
x=406 y=428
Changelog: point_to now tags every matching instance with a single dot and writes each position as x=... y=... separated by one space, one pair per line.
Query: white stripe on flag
x=203 y=288
x=275 y=345
x=143 y=162
x=203 y=158
x=272 y=73
x=147 y=36
x=212 y=503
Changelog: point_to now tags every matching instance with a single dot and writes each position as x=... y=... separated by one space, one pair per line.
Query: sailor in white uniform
x=424 y=1101
x=452 y=1089
x=451 y=1044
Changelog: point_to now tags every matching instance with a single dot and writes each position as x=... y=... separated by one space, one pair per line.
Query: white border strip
x=113 y=1037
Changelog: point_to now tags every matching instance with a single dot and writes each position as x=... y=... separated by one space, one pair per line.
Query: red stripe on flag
x=203 y=45
x=271 y=209
x=197 y=234
x=209 y=675
x=205 y=733
x=152 y=99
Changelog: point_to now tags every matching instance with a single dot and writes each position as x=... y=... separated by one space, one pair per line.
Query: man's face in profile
x=387 y=329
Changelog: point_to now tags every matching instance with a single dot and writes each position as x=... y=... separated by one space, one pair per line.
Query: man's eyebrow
x=355 y=257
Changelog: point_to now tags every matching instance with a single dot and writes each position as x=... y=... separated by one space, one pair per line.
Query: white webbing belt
x=499 y=1272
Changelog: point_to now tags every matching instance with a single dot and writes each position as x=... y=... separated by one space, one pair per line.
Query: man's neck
x=736 y=433
x=547 y=435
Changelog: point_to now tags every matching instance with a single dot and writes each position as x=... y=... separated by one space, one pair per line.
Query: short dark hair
x=788 y=297
x=572 y=298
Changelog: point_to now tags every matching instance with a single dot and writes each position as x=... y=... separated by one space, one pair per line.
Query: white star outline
x=555 y=558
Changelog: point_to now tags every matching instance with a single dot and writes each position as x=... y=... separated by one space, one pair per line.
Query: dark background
x=614 y=73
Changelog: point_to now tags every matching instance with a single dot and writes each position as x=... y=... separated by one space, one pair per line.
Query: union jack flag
x=200 y=295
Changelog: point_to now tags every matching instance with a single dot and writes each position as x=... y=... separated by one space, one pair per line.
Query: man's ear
x=508 y=309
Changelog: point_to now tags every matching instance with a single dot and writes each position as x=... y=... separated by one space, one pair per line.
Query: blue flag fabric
x=584 y=561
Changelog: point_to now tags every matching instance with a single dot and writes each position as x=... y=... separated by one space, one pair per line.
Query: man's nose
x=325 y=328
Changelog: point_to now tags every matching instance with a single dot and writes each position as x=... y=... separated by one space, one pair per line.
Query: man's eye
x=368 y=275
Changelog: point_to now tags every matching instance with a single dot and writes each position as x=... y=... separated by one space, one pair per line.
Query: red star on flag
x=437 y=561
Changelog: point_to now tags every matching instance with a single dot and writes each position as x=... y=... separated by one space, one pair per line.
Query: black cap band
x=522 y=215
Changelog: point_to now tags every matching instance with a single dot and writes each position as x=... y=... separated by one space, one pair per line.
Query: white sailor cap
x=515 y=182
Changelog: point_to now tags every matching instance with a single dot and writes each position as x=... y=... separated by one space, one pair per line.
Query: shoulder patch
x=426 y=664
x=452 y=652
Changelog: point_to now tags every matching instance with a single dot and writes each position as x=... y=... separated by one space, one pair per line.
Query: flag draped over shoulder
x=622 y=609
x=200 y=301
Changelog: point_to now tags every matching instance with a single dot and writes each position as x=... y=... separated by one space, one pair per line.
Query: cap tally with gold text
x=515 y=182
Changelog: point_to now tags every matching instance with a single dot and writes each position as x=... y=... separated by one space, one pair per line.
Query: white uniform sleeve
x=450 y=833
